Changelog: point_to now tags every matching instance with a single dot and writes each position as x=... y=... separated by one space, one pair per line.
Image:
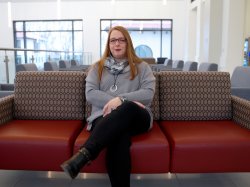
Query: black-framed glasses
x=119 y=40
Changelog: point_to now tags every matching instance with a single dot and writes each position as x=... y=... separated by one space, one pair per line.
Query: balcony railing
x=10 y=57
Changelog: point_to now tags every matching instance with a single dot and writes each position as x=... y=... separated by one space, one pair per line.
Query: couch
x=198 y=125
x=26 y=67
x=207 y=66
x=50 y=66
x=6 y=89
x=149 y=60
x=190 y=66
x=240 y=82
x=166 y=66
x=178 y=65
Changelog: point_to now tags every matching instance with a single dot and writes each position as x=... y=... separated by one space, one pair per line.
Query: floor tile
x=60 y=179
x=204 y=180
x=42 y=182
x=239 y=179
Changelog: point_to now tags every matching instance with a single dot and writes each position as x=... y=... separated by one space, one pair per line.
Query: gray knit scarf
x=115 y=67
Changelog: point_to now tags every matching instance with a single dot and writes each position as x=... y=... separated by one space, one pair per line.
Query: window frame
x=161 y=31
x=25 y=31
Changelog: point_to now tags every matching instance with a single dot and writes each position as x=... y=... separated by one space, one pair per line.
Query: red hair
x=130 y=53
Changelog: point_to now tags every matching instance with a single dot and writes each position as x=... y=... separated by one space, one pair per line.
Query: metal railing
x=10 y=57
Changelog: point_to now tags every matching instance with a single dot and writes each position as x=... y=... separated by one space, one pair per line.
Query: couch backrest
x=26 y=67
x=190 y=66
x=155 y=106
x=206 y=66
x=50 y=66
x=241 y=77
x=195 y=96
x=64 y=64
x=49 y=95
x=178 y=96
x=149 y=60
x=178 y=64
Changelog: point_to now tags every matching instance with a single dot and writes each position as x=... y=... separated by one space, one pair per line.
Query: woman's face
x=117 y=44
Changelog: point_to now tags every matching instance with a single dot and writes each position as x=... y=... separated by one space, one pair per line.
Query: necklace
x=113 y=88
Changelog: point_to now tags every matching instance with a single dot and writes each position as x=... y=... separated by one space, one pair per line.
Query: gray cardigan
x=140 y=89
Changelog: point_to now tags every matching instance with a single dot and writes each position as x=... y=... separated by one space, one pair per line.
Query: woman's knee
x=129 y=106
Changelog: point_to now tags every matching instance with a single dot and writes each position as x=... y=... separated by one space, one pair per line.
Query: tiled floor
x=59 y=179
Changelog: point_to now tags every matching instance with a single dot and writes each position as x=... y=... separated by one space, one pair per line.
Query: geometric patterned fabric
x=178 y=96
x=155 y=106
x=241 y=111
x=195 y=95
x=6 y=109
x=55 y=95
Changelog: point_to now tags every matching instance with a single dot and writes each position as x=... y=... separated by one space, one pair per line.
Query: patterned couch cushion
x=6 y=109
x=49 y=95
x=155 y=107
x=195 y=96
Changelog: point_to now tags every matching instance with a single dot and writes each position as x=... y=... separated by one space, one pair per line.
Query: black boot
x=73 y=166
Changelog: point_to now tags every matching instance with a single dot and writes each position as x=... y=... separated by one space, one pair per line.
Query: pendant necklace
x=113 y=88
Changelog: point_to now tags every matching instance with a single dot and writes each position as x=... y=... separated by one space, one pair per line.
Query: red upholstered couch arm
x=6 y=109
x=241 y=111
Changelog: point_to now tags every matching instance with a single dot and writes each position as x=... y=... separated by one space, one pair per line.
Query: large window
x=54 y=35
x=151 y=38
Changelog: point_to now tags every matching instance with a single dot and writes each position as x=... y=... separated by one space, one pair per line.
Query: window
x=143 y=51
x=151 y=38
x=54 y=35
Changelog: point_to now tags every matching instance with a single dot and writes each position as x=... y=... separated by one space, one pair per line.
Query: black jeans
x=114 y=132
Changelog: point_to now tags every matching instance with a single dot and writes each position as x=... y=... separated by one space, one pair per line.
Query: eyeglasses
x=119 y=40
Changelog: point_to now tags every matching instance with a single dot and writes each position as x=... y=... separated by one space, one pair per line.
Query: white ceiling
x=74 y=0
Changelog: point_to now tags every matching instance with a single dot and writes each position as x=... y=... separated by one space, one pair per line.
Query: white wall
x=247 y=19
x=233 y=24
x=215 y=31
x=92 y=11
x=219 y=26
x=206 y=30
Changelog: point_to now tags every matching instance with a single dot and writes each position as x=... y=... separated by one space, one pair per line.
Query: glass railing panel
x=7 y=67
x=10 y=57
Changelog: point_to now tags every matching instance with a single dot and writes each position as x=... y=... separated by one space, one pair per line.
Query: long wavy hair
x=133 y=59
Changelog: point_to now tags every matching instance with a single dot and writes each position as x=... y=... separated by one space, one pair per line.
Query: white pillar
x=198 y=31
x=233 y=24
x=215 y=31
x=190 y=44
x=193 y=42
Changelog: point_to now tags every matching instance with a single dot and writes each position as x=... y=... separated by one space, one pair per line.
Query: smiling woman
x=120 y=88
x=117 y=44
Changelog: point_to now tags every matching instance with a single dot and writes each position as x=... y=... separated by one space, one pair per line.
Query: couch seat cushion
x=37 y=144
x=149 y=153
x=208 y=146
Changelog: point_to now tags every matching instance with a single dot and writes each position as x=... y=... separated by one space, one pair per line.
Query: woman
x=120 y=88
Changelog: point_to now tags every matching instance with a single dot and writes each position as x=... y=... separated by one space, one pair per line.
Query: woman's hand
x=111 y=105
x=114 y=103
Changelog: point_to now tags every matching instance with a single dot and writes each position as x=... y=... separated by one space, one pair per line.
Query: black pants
x=114 y=132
